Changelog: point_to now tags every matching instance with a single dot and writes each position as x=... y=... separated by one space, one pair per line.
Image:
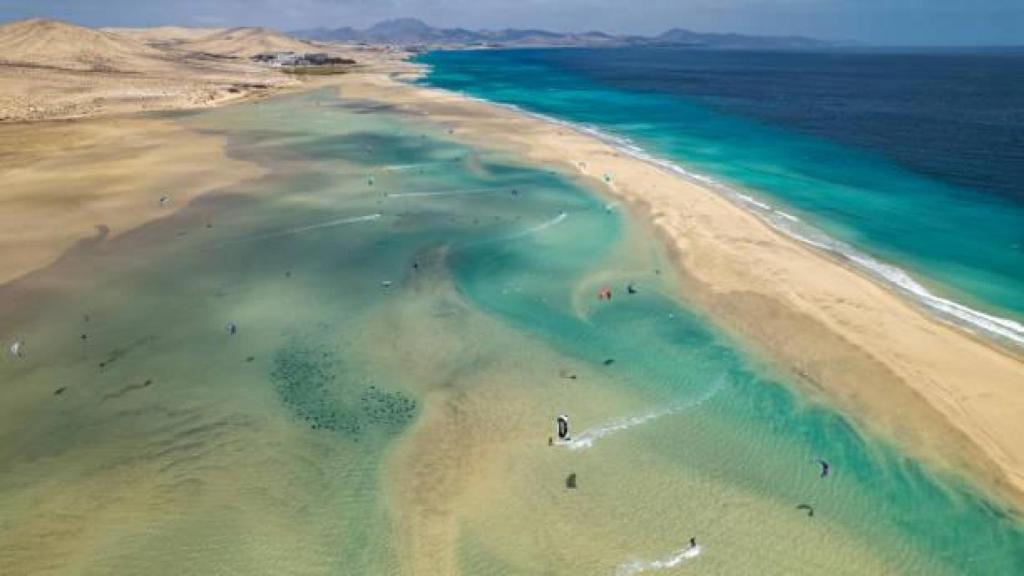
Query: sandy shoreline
x=472 y=463
x=937 y=391
x=942 y=394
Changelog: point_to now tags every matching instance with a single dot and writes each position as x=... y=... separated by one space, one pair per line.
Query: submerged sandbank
x=937 y=390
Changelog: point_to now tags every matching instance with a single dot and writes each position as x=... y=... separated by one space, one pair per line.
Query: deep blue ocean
x=906 y=161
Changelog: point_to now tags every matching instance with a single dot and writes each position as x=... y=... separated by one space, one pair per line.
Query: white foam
x=427 y=194
x=586 y=439
x=401 y=167
x=1001 y=329
x=670 y=561
x=307 y=228
x=539 y=227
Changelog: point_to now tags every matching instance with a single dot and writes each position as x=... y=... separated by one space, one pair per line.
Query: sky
x=885 y=22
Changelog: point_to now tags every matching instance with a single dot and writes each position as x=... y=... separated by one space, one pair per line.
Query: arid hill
x=244 y=42
x=51 y=69
x=164 y=35
x=52 y=44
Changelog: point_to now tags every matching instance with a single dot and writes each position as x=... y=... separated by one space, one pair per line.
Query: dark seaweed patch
x=306 y=380
x=386 y=408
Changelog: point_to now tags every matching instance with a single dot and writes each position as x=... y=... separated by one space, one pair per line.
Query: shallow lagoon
x=411 y=315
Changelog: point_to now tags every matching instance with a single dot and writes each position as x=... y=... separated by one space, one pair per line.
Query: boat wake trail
x=307 y=228
x=539 y=227
x=670 y=561
x=433 y=193
x=586 y=439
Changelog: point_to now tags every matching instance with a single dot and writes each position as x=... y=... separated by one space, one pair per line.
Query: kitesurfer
x=824 y=468
x=562 y=427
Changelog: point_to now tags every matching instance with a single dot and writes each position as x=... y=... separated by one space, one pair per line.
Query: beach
x=328 y=332
x=935 y=389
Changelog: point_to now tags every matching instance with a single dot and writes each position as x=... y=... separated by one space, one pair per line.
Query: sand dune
x=54 y=70
x=164 y=35
x=247 y=42
x=58 y=45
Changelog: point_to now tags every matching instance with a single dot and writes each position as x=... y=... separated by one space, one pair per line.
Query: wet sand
x=67 y=182
x=941 y=393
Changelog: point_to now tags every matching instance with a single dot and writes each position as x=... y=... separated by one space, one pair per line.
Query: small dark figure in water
x=693 y=542
x=551 y=441
x=570 y=482
x=250 y=358
x=59 y=391
x=631 y=289
x=824 y=468
x=609 y=361
x=807 y=507
x=84 y=337
x=231 y=328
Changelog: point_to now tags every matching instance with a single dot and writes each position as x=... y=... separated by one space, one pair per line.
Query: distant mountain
x=410 y=31
x=684 y=37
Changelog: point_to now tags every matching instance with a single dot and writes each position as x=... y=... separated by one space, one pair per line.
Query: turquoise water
x=410 y=316
x=861 y=147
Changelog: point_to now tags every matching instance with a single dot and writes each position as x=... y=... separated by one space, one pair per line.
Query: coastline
x=218 y=450
x=943 y=394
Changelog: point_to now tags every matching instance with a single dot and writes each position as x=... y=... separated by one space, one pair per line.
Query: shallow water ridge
x=352 y=365
x=908 y=166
